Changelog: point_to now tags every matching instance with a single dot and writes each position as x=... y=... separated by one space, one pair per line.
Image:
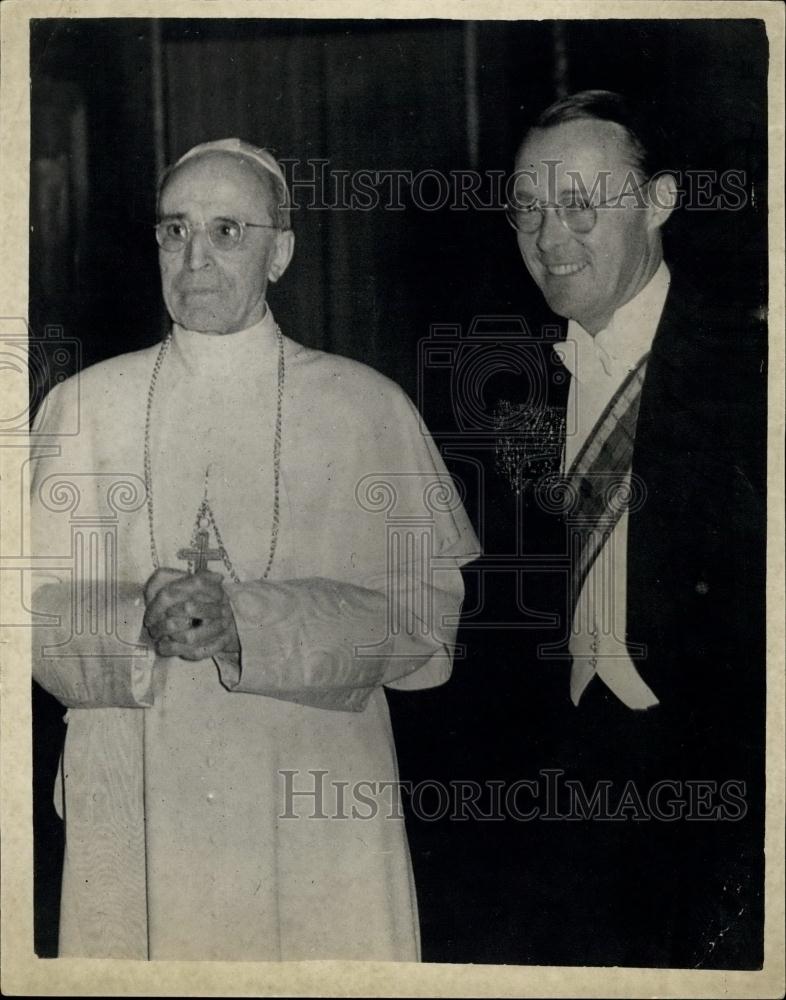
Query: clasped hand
x=189 y=615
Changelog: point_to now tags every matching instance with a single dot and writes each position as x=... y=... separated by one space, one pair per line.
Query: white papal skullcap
x=262 y=157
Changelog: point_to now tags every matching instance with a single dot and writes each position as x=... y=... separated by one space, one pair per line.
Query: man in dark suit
x=642 y=708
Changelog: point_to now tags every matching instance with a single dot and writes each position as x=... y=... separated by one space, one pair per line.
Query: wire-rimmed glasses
x=223 y=233
x=577 y=215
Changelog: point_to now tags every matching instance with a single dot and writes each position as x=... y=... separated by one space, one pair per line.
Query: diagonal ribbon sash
x=598 y=486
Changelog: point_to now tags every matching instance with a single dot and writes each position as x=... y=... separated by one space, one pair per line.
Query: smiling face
x=587 y=276
x=207 y=289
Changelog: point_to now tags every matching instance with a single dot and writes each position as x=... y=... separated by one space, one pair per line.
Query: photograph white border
x=21 y=971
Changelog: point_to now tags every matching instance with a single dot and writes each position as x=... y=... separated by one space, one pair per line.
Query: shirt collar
x=628 y=337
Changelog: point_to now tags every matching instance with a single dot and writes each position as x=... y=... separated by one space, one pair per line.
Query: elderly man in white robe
x=284 y=541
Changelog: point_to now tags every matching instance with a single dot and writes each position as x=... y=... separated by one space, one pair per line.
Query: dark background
x=114 y=100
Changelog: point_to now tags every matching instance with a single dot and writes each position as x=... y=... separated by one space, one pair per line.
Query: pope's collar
x=254 y=345
x=266 y=324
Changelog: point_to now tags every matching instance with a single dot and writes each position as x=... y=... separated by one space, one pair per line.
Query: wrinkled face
x=218 y=290
x=587 y=276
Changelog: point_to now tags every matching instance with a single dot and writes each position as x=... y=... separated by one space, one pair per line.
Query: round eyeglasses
x=223 y=234
x=577 y=216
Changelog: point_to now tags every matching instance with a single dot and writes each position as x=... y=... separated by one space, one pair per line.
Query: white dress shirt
x=598 y=366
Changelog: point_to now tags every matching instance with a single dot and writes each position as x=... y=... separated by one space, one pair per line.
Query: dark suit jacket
x=650 y=893
x=632 y=893
x=696 y=545
x=696 y=604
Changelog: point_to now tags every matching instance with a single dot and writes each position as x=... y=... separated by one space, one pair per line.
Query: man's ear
x=282 y=255
x=664 y=196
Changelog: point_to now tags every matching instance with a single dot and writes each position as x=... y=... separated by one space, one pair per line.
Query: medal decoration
x=530 y=442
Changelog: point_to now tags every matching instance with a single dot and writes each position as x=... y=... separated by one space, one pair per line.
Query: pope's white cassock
x=181 y=839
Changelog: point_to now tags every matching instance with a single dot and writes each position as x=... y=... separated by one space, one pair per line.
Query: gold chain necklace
x=204 y=511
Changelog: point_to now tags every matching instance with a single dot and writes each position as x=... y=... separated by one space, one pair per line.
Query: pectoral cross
x=201 y=553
